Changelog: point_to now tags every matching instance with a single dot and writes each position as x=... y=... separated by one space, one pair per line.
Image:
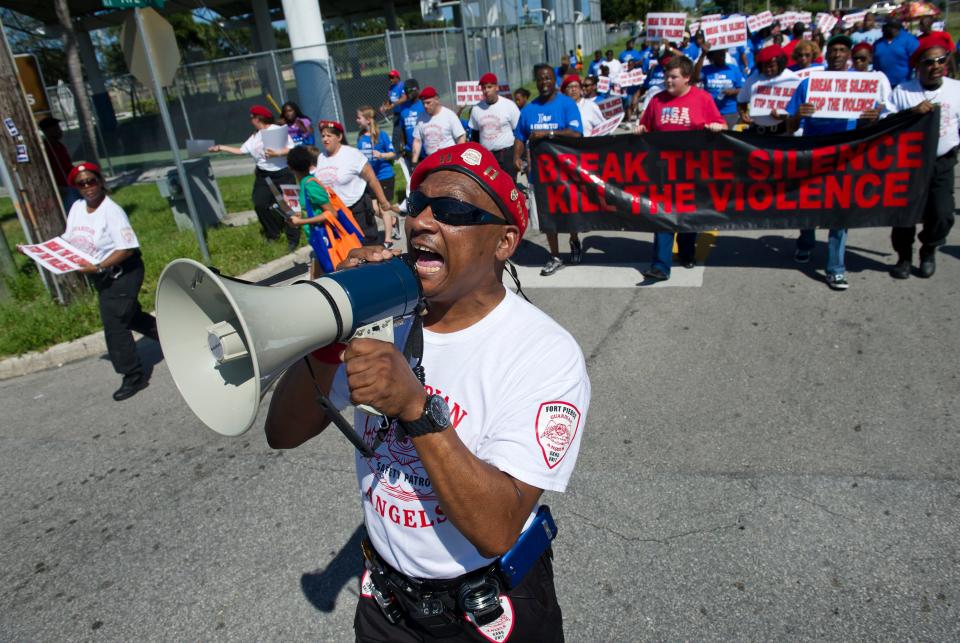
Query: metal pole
x=406 y=56
x=103 y=144
x=279 y=77
x=386 y=40
x=446 y=59
x=183 y=110
x=466 y=43
x=18 y=207
x=171 y=136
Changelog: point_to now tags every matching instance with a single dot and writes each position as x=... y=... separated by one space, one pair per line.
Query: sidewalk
x=278 y=270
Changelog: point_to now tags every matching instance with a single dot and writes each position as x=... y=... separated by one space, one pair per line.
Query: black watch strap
x=435 y=418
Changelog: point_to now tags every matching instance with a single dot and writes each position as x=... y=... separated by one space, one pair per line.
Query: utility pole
x=31 y=176
x=75 y=70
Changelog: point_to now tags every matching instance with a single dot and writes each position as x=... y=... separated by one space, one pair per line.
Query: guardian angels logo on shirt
x=557 y=425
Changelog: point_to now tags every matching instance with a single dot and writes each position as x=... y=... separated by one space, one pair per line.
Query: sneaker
x=388 y=245
x=551 y=267
x=403 y=207
x=928 y=262
x=655 y=274
x=801 y=256
x=901 y=270
x=576 y=252
x=688 y=262
x=837 y=281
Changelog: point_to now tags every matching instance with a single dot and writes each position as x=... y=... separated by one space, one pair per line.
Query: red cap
x=332 y=125
x=931 y=41
x=260 y=110
x=393 y=74
x=488 y=79
x=428 y=92
x=479 y=164
x=770 y=52
x=860 y=47
x=83 y=167
x=569 y=78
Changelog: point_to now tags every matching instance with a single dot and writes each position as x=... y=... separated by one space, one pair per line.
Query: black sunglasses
x=930 y=62
x=450 y=211
x=86 y=183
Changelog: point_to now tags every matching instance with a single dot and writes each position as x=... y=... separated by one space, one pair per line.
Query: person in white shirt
x=492 y=122
x=868 y=32
x=771 y=64
x=614 y=67
x=590 y=114
x=438 y=127
x=99 y=227
x=345 y=170
x=272 y=164
x=930 y=89
x=496 y=419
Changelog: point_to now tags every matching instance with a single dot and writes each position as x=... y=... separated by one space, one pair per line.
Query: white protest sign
x=632 y=77
x=772 y=95
x=805 y=17
x=291 y=194
x=826 y=23
x=669 y=26
x=726 y=34
x=603 y=85
x=843 y=94
x=610 y=107
x=57 y=256
x=786 y=19
x=467 y=92
x=607 y=126
x=805 y=73
x=713 y=17
x=694 y=28
x=851 y=19
x=759 y=21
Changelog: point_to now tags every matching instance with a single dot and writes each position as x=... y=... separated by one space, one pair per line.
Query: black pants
x=264 y=204
x=120 y=311
x=505 y=159
x=937 y=214
x=399 y=138
x=363 y=212
x=536 y=615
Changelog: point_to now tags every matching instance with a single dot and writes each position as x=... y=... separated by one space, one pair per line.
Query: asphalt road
x=764 y=459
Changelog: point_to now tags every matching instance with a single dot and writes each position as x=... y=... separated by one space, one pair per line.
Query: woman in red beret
x=771 y=65
x=271 y=164
x=100 y=228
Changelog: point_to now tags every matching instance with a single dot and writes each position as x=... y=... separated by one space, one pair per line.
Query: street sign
x=28 y=69
x=166 y=54
x=133 y=4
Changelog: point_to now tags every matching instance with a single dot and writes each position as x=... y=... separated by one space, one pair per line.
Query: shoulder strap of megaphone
x=336 y=417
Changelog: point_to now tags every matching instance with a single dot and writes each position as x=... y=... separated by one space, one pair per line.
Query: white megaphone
x=226 y=341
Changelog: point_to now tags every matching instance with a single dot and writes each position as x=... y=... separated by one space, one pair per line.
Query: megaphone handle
x=334 y=414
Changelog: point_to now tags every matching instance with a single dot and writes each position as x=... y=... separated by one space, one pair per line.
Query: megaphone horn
x=226 y=341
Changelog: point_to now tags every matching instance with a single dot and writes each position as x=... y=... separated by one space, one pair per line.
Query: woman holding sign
x=680 y=107
x=771 y=69
x=100 y=228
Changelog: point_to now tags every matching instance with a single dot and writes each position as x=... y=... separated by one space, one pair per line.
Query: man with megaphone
x=459 y=545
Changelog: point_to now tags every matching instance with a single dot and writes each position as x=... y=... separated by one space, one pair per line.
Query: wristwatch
x=435 y=418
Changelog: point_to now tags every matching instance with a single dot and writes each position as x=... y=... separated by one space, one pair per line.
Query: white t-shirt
x=342 y=173
x=590 y=115
x=911 y=93
x=254 y=147
x=440 y=131
x=614 y=67
x=746 y=92
x=100 y=232
x=495 y=122
x=517 y=387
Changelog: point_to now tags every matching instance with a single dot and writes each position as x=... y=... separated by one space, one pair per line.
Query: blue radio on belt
x=531 y=544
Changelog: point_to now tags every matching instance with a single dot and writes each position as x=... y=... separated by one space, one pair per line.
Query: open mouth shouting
x=426 y=258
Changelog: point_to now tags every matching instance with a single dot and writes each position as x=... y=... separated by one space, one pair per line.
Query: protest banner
x=632 y=77
x=57 y=256
x=726 y=34
x=699 y=180
x=759 y=21
x=805 y=73
x=826 y=23
x=843 y=94
x=769 y=95
x=467 y=92
x=607 y=126
x=851 y=19
x=611 y=106
x=668 y=26
x=603 y=85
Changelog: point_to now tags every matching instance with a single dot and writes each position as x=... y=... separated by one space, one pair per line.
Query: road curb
x=94 y=344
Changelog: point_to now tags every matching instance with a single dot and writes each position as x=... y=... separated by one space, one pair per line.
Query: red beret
x=770 y=52
x=260 y=110
x=479 y=164
x=428 y=92
x=932 y=40
x=569 y=78
x=488 y=78
x=393 y=74
x=83 y=167
x=861 y=46
x=332 y=125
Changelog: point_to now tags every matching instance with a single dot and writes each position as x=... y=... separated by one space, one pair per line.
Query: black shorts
x=531 y=614
x=389 y=189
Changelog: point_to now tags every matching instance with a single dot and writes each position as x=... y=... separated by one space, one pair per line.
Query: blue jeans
x=663 y=249
x=836 y=248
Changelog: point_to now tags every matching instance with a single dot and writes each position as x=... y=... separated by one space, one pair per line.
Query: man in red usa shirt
x=455 y=480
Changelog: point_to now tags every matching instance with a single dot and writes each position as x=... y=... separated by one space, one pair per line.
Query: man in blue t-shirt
x=628 y=54
x=891 y=54
x=801 y=115
x=396 y=97
x=723 y=81
x=548 y=115
x=410 y=113
x=594 y=68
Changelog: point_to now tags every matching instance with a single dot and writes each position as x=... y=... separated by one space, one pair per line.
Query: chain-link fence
x=211 y=100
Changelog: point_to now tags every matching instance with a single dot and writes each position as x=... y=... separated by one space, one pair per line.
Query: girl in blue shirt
x=378 y=148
